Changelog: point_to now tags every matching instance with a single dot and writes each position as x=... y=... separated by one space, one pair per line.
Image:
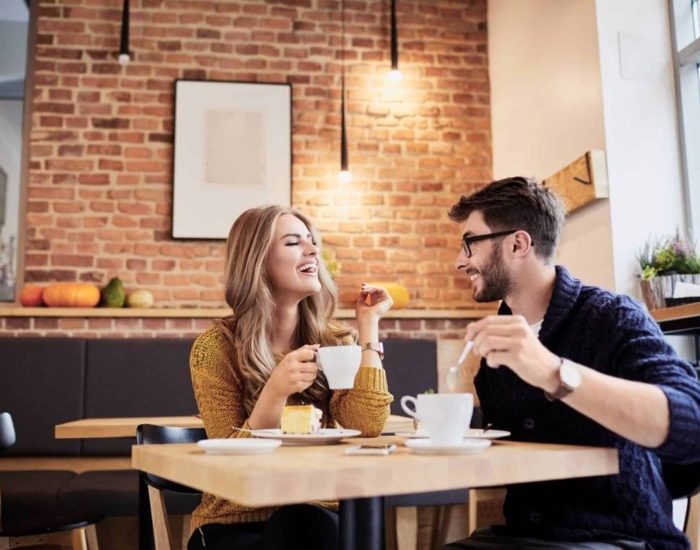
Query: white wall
x=641 y=135
x=10 y=159
x=547 y=111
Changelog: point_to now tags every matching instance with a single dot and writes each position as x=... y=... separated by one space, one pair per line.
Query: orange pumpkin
x=31 y=296
x=71 y=295
x=399 y=293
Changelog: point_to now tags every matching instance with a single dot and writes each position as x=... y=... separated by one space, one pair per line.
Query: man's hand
x=508 y=340
x=295 y=372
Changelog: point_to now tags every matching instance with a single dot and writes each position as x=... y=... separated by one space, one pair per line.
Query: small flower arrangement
x=667 y=256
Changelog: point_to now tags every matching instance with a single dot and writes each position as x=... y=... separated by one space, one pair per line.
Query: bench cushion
x=116 y=493
x=41 y=385
x=29 y=492
x=135 y=377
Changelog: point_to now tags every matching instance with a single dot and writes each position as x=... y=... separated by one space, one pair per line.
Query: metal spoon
x=452 y=374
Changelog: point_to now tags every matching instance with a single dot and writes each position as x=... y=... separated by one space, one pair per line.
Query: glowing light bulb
x=124 y=58
x=395 y=75
x=344 y=176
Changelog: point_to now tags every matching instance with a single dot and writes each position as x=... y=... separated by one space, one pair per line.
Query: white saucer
x=467 y=446
x=471 y=434
x=325 y=436
x=239 y=446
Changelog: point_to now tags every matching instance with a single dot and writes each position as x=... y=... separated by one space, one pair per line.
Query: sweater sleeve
x=644 y=355
x=216 y=389
x=365 y=407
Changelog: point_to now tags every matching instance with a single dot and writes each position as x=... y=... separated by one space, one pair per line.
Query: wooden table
x=89 y=428
x=303 y=474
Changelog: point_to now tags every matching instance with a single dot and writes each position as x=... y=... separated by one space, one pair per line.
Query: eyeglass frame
x=468 y=240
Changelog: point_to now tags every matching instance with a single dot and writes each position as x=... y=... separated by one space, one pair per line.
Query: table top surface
x=89 y=428
x=301 y=474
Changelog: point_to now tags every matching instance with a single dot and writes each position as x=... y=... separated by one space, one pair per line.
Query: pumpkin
x=399 y=293
x=71 y=295
x=31 y=296
x=140 y=299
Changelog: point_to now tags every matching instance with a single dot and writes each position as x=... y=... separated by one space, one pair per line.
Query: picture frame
x=232 y=152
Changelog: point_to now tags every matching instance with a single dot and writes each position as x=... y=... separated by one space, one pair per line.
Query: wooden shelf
x=204 y=313
x=676 y=312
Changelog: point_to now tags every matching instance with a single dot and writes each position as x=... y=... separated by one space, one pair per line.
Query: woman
x=253 y=363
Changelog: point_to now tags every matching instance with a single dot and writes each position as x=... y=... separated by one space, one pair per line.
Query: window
x=685 y=36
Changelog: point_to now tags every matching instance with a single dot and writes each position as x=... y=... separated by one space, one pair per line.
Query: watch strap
x=563 y=390
x=377 y=347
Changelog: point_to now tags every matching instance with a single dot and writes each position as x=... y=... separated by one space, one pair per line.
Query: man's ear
x=521 y=242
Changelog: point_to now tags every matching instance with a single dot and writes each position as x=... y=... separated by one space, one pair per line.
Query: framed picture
x=233 y=151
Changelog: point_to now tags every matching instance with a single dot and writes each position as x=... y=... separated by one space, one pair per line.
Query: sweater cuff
x=682 y=427
x=371 y=378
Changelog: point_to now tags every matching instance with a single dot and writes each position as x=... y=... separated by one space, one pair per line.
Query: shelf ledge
x=204 y=313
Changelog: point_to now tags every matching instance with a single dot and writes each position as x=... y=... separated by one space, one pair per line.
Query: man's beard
x=495 y=280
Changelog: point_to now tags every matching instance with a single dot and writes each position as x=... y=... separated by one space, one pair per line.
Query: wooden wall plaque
x=583 y=181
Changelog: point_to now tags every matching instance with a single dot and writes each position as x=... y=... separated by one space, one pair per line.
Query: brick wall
x=99 y=193
x=434 y=329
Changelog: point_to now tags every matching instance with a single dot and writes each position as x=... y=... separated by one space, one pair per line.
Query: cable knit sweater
x=614 y=335
x=218 y=390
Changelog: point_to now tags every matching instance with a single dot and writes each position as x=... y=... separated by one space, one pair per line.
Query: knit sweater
x=613 y=335
x=218 y=390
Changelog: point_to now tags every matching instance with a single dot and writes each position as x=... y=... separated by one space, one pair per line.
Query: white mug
x=444 y=417
x=340 y=365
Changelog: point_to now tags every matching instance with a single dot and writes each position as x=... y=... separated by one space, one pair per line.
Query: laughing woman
x=263 y=357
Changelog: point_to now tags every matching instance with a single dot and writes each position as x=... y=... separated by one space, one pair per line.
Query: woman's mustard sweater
x=218 y=390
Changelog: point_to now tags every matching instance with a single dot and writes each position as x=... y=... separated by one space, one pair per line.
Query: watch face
x=570 y=375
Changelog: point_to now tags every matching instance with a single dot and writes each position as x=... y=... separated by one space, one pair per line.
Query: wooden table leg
x=145 y=524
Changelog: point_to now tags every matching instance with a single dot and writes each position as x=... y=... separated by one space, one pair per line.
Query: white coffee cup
x=340 y=365
x=444 y=417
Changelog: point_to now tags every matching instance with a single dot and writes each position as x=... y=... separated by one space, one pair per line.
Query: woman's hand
x=295 y=372
x=373 y=301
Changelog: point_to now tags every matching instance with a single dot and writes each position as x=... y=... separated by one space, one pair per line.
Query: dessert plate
x=238 y=446
x=325 y=436
x=471 y=434
x=467 y=446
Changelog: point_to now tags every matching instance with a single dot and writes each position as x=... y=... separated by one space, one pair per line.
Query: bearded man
x=564 y=362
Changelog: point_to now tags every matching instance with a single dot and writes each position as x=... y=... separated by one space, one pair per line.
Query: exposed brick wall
x=99 y=195
x=433 y=329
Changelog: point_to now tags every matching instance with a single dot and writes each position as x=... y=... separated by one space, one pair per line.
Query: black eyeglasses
x=467 y=241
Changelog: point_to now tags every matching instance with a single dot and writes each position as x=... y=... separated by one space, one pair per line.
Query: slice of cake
x=301 y=419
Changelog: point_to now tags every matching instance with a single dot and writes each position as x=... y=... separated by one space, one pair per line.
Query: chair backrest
x=147 y=434
x=411 y=368
x=138 y=377
x=682 y=480
x=7 y=431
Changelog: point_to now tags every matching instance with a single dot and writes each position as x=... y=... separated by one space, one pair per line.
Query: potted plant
x=665 y=262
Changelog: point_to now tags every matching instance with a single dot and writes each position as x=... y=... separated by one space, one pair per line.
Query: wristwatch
x=569 y=380
x=374 y=346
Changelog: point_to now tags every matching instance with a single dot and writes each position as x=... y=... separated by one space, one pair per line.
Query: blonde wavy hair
x=248 y=292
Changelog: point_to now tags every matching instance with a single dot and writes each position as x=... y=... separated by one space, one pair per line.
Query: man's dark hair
x=517 y=203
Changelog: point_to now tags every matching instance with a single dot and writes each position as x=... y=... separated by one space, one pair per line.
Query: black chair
x=411 y=368
x=683 y=481
x=30 y=512
x=187 y=498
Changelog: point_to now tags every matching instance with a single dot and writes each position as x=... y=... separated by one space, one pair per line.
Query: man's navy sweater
x=613 y=335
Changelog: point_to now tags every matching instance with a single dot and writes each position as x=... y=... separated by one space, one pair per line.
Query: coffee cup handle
x=404 y=405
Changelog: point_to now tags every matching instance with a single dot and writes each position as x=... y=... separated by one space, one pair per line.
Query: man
x=575 y=364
